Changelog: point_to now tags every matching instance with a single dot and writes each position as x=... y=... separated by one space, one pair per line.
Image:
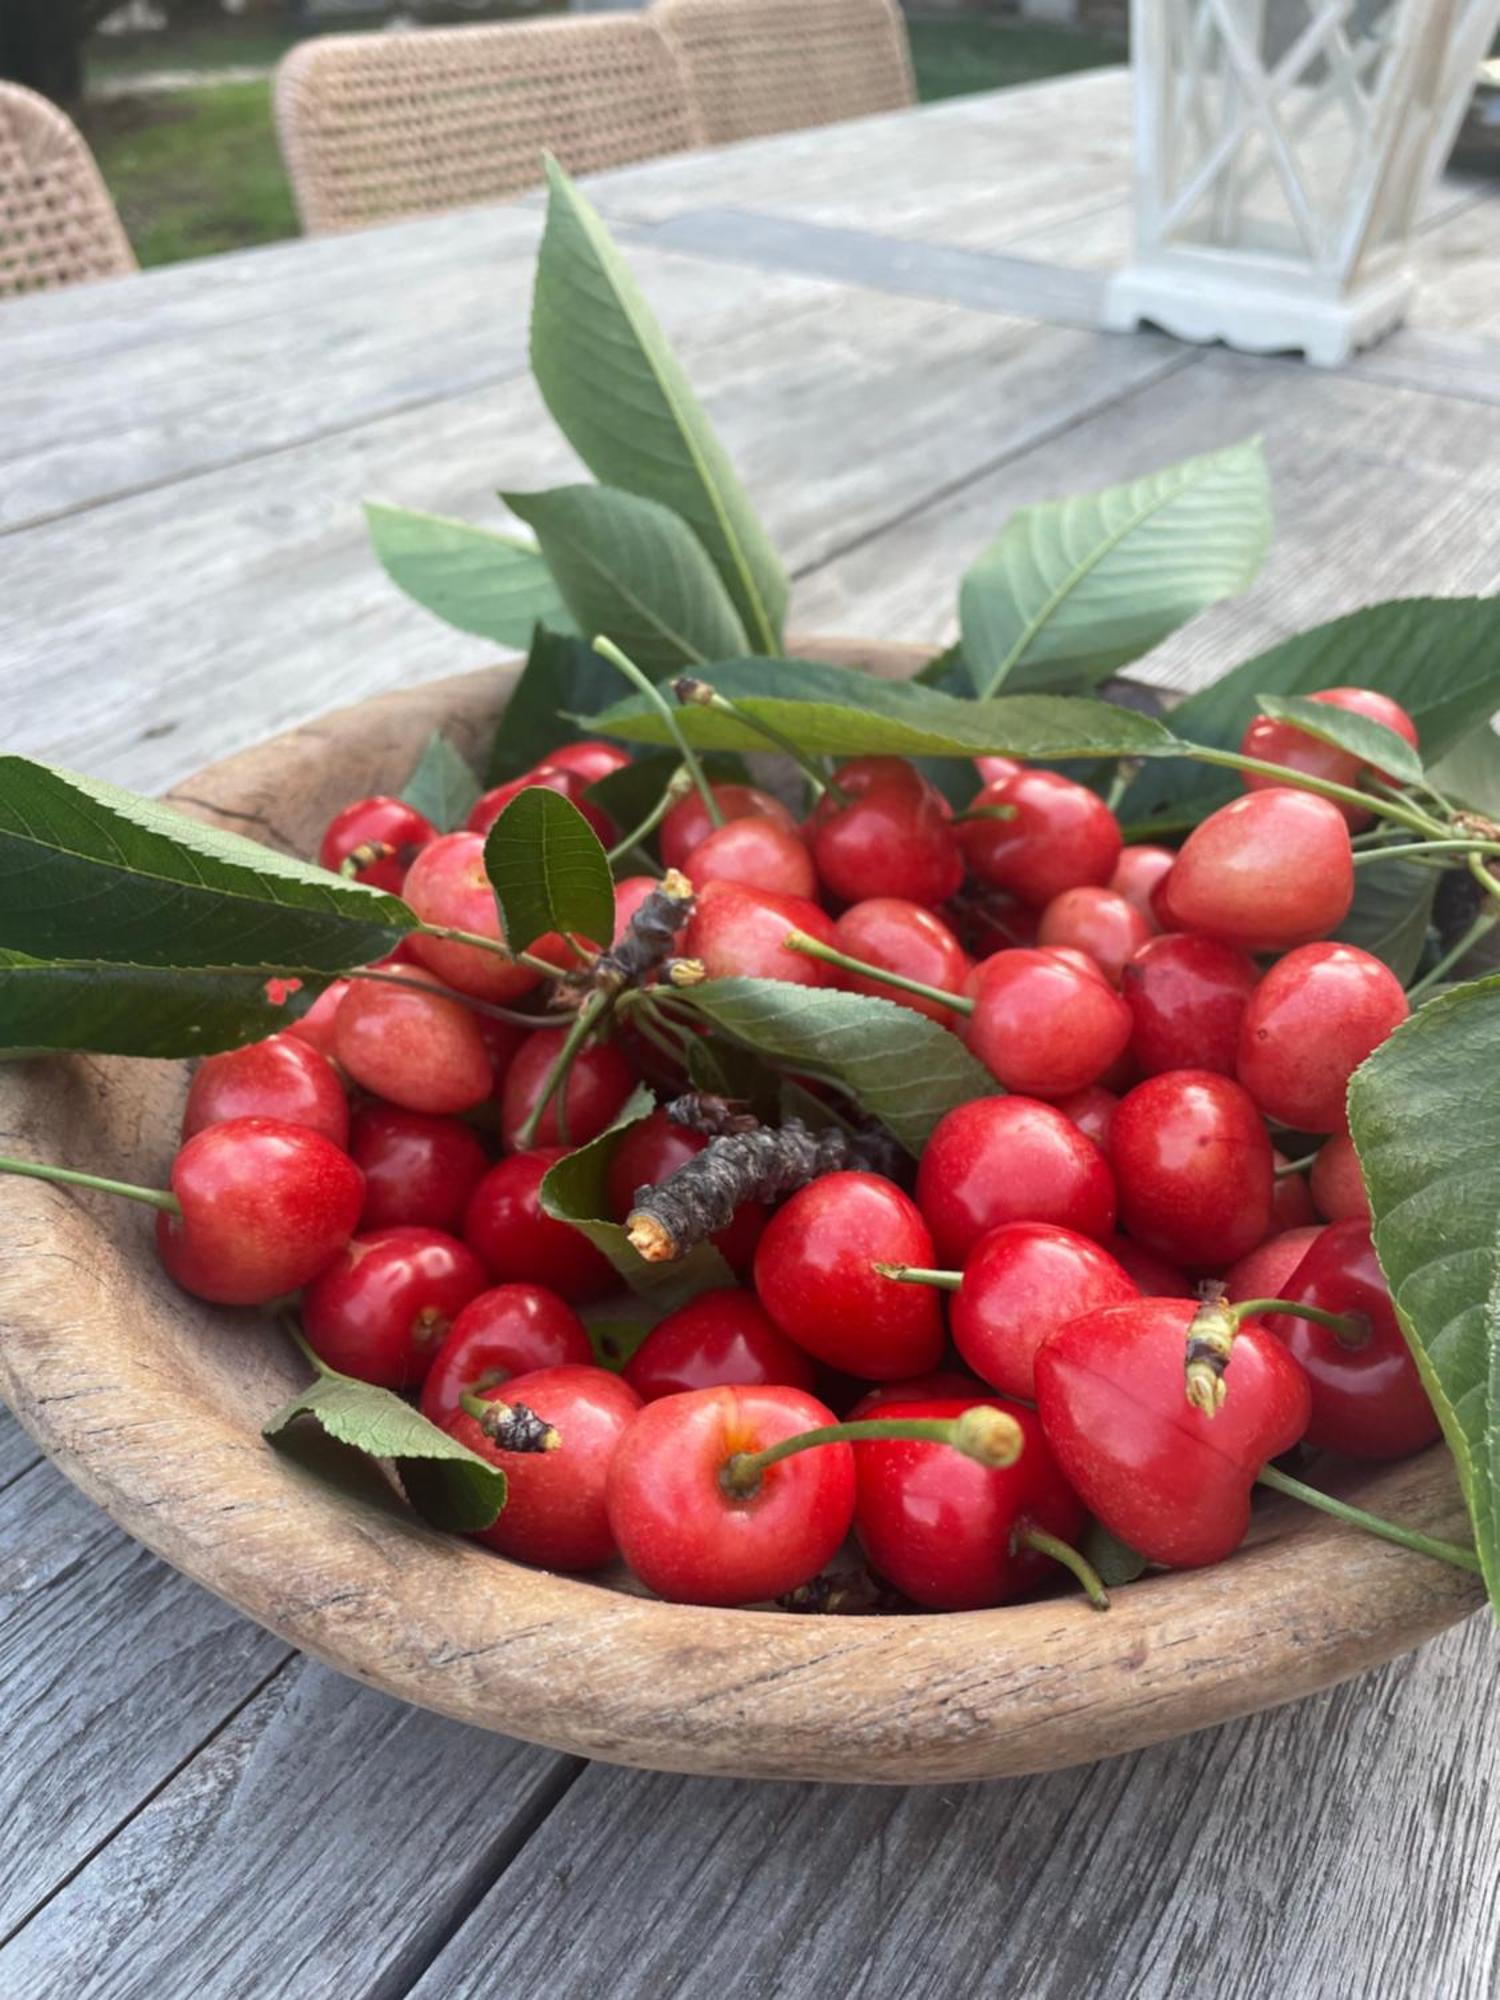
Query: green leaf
x=900 y=1067
x=1470 y=773
x=615 y=1341
x=135 y=1010
x=494 y=586
x=1072 y=589
x=90 y=872
x=563 y=677
x=1438 y=656
x=1391 y=913
x=634 y=571
x=1363 y=737
x=548 y=871
x=1424 y=1112
x=620 y=397
x=836 y=711
x=573 y=1190
x=449 y=1485
x=442 y=787
x=1116 y=1562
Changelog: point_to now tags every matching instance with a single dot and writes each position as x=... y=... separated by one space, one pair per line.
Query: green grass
x=953 y=57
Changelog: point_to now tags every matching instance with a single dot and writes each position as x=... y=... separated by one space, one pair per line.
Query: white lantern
x=1282 y=150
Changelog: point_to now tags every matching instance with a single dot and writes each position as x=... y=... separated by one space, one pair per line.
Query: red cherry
x=994 y=770
x=814 y=1272
x=1170 y=1482
x=758 y=852
x=419 y=1169
x=1193 y=1164
x=420 y=1050
x=940 y=1384
x=1367 y=1397
x=889 y=837
x=1187 y=996
x=1137 y=872
x=447 y=885
x=1338 y=1186
x=392 y=829
x=1043 y=1026
x=507 y=1330
x=1263 y=1271
x=1312 y=1021
x=1092 y=1110
x=521 y=1244
x=1286 y=744
x=646 y=1154
x=946 y=1531
x=1022 y=1282
x=740 y=933
x=690 y=1539
x=598 y=1084
x=1153 y=1276
x=1010 y=1159
x=316 y=1025
x=1271 y=870
x=688 y=825
x=265 y=1206
x=382 y=1308
x=1098 y=922
x=719 y=1339
x=571 y=785
x=1062 y=836
x=503 y=1040
x=554 y=1513
x=902 y=937
x=282 y=1077
x=1291 y=1200
x=589 y=758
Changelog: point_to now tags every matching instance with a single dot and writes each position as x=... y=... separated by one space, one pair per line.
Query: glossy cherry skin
x=265 y=1206
x=419 y=1169
x=692 y=1542
x=1263 y=1271
x=814 y=1275
x=1152 y=1276
x=377 y=823
x=381 y=1309
x=1284 y=743
x=503 y=1331
x=420 y=1050
x=282 y=1077
x=1187 y=996
x=893 y=837
x=1193 y=1164
x=939 y=1384
x=1312 y=1021
x=1170 y=1482
x=1291 y=1198
x=569 y=784
x=740 y=933
x=598 y=1084
x=521 y=1244
x=1044 y=1026
x=720 y=1339
x=1107 y=926
x=1137 y=873
x=943 y=1530
x=1010 y=1159
x=1061 y=836
x=555 y=1514
x=1266 y=872
x=1092 y=1110
x=447 y=886
x=1337 y=1185
x=1022 y=1282
x=647 y=1154
x=589 y=757
x=1367 y=1397
x=758 y=852
x=688 y=825
x=907 y=938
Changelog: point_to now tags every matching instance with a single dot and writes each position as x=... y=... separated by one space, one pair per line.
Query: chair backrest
x=383 y=125
x=759 y=66
x=58 y=225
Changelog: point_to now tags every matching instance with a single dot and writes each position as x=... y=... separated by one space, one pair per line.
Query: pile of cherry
x=1073 y=1262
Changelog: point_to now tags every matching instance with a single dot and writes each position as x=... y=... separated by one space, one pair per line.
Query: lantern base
x=1259 y=316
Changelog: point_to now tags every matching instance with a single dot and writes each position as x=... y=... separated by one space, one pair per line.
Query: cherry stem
x=486 y=1007
x=510 y=1426
x=1290 y=1167
x=1234 y=760
x=623 y=664
x=1406 y=1538
x=676 y=788
x=1475 y=934
x=491 y=945
x=43 y=1170
x=983 y=1433
x=586 y=1020
x=1404 y=851
x=811 y=948
x=915 y=1274
x=694 y=693
x=983 y=813
x=1072 y=1559
x=1353 y=1329
x=1488 y=882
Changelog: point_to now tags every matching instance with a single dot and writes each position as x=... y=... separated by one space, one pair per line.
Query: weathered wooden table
x=892 y=325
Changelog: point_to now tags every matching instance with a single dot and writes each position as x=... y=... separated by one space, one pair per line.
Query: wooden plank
x=17 y=1453
x=1342 y=1847
x=326 y=1841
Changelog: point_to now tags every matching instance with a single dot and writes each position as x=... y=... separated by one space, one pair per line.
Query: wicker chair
x=760 y=66
x=383 y=125
x=58 y=225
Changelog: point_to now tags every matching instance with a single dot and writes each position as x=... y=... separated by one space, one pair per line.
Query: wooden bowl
x=152 y=1403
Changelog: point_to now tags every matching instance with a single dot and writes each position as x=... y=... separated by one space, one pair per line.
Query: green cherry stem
x=983 y=1433
x=43 y=1170
x=916 y=1274
x=621 y=662
x=486 y=1007
x=1389 y=1531
x=587 y=1019
x=1353 y=1329
x=811 y=948
x=1211 y=1335
x=1488 y=882
x=1404 y=852
x=1089 y=1579
x=694 y=693
x=677 y=788
x=1477 y=931
x=1392 y=809
x=492 y=945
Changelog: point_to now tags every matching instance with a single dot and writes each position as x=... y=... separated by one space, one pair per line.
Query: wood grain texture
x=152 y=1402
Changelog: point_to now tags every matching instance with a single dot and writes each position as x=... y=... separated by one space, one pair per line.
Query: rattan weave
x=383 y=125
x=759 y=66
x=58 y=225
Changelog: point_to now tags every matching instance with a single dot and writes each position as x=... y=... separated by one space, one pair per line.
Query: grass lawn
x=198 y=171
